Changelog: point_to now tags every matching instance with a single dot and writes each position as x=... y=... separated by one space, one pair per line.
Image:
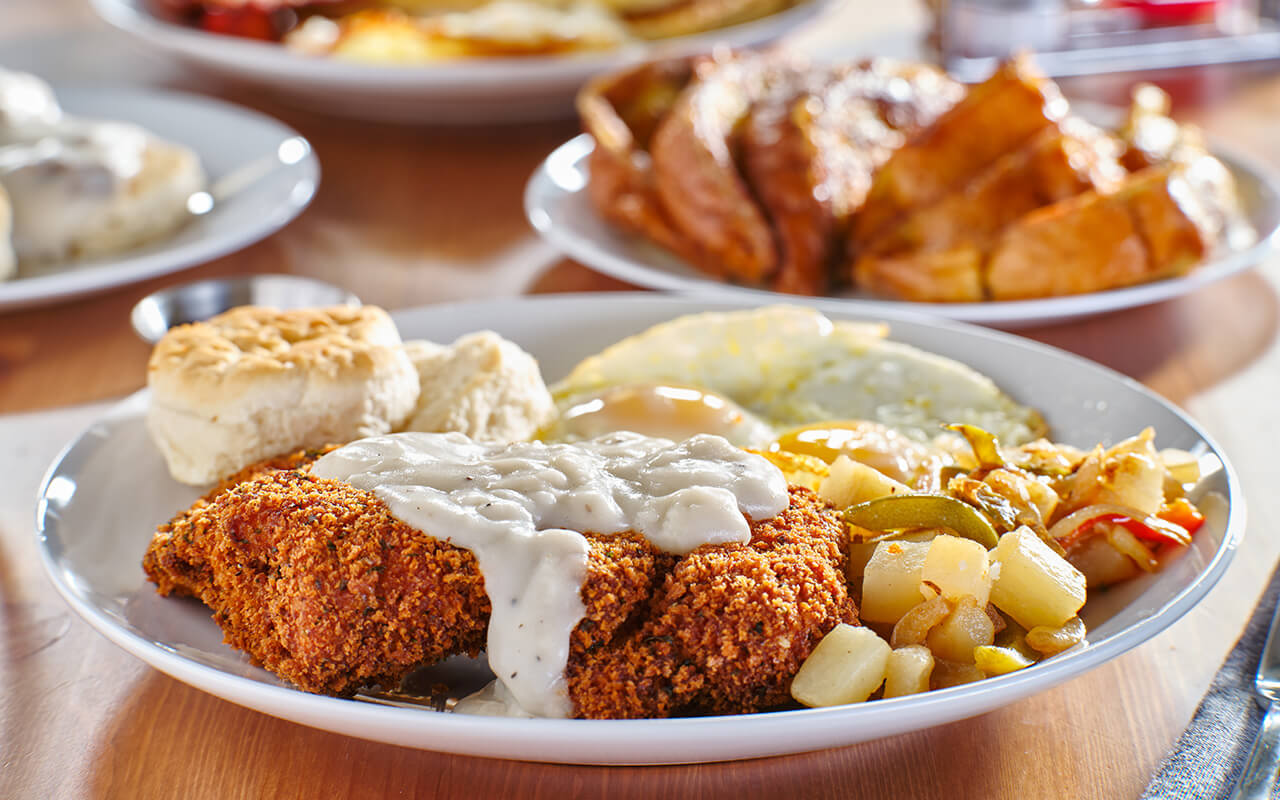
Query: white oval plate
x=461 y=91
x=273 y=176
x=558 y=207
x=95 y=520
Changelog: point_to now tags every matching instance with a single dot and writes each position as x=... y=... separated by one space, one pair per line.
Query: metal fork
x=1263 y=767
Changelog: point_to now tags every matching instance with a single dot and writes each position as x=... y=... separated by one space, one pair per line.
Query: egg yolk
x=873 y=444
x=673 y=412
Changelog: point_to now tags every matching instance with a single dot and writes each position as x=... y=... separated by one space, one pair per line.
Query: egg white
x=789 y=366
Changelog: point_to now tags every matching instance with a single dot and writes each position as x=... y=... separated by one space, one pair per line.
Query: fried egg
x=672 y=412
x=755 y=375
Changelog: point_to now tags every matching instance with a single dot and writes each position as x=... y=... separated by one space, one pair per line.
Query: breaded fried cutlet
x=321 y=585
x=729 y=625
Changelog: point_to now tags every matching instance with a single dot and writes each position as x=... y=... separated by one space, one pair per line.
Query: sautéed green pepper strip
x=900 y=512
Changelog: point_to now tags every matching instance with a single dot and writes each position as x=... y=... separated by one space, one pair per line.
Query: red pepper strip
x=1181 y=512
x=1156 y=529
x=1153 y=529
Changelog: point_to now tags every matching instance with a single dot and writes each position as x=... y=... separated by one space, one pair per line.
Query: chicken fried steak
x=323 y=586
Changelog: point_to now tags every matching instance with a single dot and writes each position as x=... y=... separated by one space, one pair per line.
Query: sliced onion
x=1119 y=537
x=1073 y=521
x=1101 y=563
x=1051 y=641
x=916 y=623
x=1068 y=525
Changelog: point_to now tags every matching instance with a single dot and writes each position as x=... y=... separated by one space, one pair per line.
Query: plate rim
x=599 y=257
x=791 y=731
x=492 y=72
x=122 y=269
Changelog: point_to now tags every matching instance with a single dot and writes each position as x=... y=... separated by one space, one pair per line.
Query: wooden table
x=407 y=216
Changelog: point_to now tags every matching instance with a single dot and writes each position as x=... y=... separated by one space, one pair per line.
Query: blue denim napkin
x=1210 y=754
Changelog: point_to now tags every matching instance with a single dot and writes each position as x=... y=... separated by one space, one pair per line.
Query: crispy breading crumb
x=320 y=584
x=730 y=626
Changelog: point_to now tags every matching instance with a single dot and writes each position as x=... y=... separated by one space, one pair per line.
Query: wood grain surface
x=412 y=215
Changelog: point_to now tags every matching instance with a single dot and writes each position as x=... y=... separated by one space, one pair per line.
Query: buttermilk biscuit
x=482 y=385
x=254 y=382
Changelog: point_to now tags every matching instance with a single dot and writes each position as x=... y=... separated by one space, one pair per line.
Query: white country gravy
x=519 y=508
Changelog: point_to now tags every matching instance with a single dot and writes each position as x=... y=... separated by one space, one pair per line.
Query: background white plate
x=94 y=521
x=557 y=205
x=465 y=90
x=281 y=170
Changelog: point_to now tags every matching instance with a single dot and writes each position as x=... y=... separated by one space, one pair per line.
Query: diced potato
x=1183 y=467
x=1035 y=585
x=846 y=667
x=916 y=623
x=949 y=673
x=958 y=567
x=852 y=482
x=908 y=671
x=1051 y=641
x=891 y=580
x=965 y=628
x=993 y=660
x=860 y=552
x=1128 y=474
